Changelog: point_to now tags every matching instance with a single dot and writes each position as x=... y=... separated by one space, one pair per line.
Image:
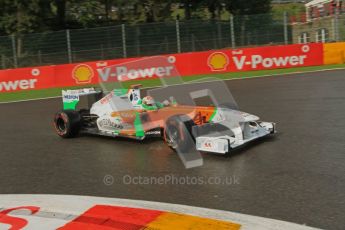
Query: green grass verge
x=44 y=93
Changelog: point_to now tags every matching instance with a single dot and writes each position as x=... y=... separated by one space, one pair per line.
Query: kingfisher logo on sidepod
x=82 y=74
x=218 y=61
x=131 y=72
x=258 y=61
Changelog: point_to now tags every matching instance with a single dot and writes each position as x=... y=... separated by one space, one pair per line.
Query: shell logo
x=218 y=61
x=82 y=74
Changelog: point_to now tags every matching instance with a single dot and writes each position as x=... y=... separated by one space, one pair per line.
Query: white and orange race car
x=123 y=113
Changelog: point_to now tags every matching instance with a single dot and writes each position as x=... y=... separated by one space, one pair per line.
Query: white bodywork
x=241 y=128
x=114 y=101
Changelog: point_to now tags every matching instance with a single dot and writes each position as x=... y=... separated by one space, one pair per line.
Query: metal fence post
x=69 y=48
x=336 y=22
x=3 y=61
x=124 y=46
x=14 y=51
x=178 y=39
x=219 y=35
x=137 y=40
x=334 y=28
x=232 y=32
x=193 y=42
x=214 y=39
x=39 y=54
x=166 y=43
x=286 y=32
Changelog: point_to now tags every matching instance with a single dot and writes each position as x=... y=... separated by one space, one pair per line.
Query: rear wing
x=71 y=98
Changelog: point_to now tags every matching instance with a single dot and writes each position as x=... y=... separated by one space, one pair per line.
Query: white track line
x=34 y=99
x=199 y=81
x=57 y=209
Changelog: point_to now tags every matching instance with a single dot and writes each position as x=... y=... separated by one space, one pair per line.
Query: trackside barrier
x=334 y=53
x=188 y=64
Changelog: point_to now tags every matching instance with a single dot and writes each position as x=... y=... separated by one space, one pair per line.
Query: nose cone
x=249 y=117
x=239 y=116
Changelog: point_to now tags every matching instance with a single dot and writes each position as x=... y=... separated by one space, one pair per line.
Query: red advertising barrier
x=275 y=57
x=27 y=78
x=186 y=64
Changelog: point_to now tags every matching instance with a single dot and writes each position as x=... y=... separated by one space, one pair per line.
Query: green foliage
x=86 y=13
x=20 y=16
x=26 y=16
x=291 y=8
x=248 y=7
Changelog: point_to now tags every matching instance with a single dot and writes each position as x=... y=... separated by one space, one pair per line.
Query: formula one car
x=123 y=113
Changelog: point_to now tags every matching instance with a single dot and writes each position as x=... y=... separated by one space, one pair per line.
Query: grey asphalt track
x=298 y=176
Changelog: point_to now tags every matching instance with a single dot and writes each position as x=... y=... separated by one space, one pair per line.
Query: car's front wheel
x=177 y=133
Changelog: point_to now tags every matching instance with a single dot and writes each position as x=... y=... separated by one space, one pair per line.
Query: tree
x=107 y=8
x=60 y=13
x=155 y=10
x=190 y=8
x=248 y=7
x=85 y=13
x=81 y=13
x=213 y=6
x=20 y=16
x=250 y=17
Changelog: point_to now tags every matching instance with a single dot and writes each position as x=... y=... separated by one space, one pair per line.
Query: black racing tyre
x=178 y=133
x=67 y=123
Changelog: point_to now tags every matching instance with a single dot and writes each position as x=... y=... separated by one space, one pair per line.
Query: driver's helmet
x=148 y=101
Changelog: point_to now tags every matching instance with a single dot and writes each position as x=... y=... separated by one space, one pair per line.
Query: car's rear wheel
x=67 y=123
